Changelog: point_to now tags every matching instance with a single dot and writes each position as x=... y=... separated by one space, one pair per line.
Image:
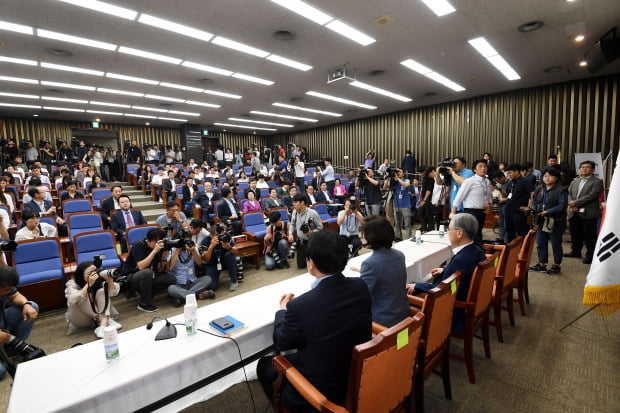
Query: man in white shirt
x=476 y=195
x=36 y=173
x=349 y=221
x=327 y=175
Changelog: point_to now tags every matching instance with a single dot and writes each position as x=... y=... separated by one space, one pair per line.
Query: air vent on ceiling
x=553 y=69
x=430 y=93
x=296 y=99
x=376 y=73
x=54 y=91
x=284 y=35
x=167 y=105
x=60 y=52
x=530 y=26
x=383 y=20
x=206 y=81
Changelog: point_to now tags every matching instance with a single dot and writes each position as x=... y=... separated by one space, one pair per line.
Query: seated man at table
x=217 y=255
x=323 y=324
x=124 y=219
x=145 y=265
x=17 y=314
x=467 y=255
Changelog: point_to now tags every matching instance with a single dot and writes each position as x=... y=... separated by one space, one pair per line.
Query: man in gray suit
x=584 y=211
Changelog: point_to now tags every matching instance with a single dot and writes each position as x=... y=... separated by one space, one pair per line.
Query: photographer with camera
x=401 y=201
x=144 y=268
x=349 y=221
x=304 y=222
x=17 y=313
x=174 y=220
x=276 y=242
x=455 y=171
x=65 y=153
x=88 y=298
x=476 y=197
x=217 y=255
x=372 y=191
x=183 y=260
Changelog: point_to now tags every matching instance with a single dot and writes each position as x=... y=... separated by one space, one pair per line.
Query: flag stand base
x=572 y=324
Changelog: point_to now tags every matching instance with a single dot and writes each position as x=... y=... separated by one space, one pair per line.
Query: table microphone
x=166 y=332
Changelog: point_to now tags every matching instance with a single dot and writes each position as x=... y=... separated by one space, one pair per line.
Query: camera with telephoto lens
x=223 y=235
x=181 y=242
x=390 y=171
x=305 y=227
x=353 y=205
x=16 y=347
x=98 y=263
x=8 y=246
x=292 y=250
x=446 y=163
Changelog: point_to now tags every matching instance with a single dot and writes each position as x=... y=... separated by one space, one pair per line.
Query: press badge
x=509 y=196
x=219 y=266
x=190 y=271
x=582 y=210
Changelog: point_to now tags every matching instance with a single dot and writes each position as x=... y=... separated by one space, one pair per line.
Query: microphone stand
x=166 y=332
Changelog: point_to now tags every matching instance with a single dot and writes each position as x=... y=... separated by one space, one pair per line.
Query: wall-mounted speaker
x=603 y=52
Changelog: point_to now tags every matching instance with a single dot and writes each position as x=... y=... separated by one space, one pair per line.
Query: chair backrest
x=70 y=206
x=382 y=369
x=321 y=209
x=283 y=213
x=525 y=253
x=98 y=195
x=438 y=309
x=507 y=264
x=89 y=244
x=38 y=260
x=254 y=222
x=264 y=192
x=243 y=185
x=247 y=170
x=79 y=222
x=481 y=287
x=137 y=233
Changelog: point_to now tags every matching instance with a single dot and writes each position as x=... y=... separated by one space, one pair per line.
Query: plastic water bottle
x=442 y=230
x=110 y=344
x=189 y=311
x=418 y=237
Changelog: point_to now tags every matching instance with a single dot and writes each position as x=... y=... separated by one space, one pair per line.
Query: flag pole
x=570 y=324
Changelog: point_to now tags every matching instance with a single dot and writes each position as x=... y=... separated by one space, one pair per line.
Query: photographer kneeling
x=276 y=242
x=183 y=259
x=88 y=296
x=304 y=222
x=17 y=314
x=217 y=255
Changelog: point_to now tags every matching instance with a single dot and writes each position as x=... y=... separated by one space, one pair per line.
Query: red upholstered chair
x=381 y=376
x=476 y=309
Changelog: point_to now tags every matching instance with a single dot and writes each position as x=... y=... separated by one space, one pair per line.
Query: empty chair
x=254 y=225
x=76 y=205
x=98 y=194
x=523 y=266
x=39 y=263
x=89 y=244
x=329 y=222
x=380 y=378
x=264 y=192
x=242 y=186
x=83 y=222
x=476 y=309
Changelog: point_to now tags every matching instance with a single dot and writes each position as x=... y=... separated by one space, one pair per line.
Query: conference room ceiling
x=401 y=29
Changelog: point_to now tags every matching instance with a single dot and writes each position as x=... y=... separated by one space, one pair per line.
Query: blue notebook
x=234 y=324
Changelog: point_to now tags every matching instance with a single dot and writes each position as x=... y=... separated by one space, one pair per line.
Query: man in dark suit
x=228 y=210
x=584 y=211
x=324 y=325
x=44 y=207
x=125 y=218
x=519 y=193
x=273 y=201
x=467 y=255
x=110 y=204
x=169 y=185
x=206 y=198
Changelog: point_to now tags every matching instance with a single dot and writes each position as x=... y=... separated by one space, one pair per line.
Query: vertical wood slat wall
x=528 y=124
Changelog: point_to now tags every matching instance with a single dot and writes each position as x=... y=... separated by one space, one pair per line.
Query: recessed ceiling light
x=242 y=126
x=580 y=38
x=119 y=92
x=18 y=28
x=239 y=47
x=223 y=94
x=27 y=62
x=321 y=112
x=72 y=69
x=284 y=35
x=305 y=10
x=175 y=27
x=439 y=7
x=253 y=79
x=102 y=7
x=76 y=39
x=280 y=115
x=375 y=73
x=131 y=78
x=530 y=26
x=286 y=125
x=36 y=115
x=350 y=32
x=206 y=81
x=340 y=100
x=147 y=123
x=149 y=55
x=207 y=68
x=583 y=63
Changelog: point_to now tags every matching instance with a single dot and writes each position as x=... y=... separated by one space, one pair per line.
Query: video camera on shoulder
x=446 y=163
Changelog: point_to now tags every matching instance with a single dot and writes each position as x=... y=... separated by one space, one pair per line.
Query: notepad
x=220 y=323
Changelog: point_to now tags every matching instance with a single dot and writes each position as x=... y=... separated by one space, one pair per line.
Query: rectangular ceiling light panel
x=439 y=7
x=175 y=27
x=321 y=112
x=76 y=40
x=289 y=62
x=103 y=7
x=18 y=28
x=431 y=74
x=340 y=100
x=239 y=47
x=350 y=32
x=149 y=55
x=72 y=69
x=27 y=62
x=305 y=10
x=207 y=68
x=483 y=47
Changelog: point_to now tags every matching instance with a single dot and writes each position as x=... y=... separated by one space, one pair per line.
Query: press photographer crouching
x=88 y=296
x=183 y=260
x=276 y=243
x=304 y=222
x=349 y=221
x=17 y=315
x=217 y=255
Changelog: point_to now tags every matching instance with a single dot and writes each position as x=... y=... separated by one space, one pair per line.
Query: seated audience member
x=262 y=184
x=284 y=189
x=228 y=210
x=88 y=303
x=145 y=266
x=276 y=242
x=287 y=200
x=36 y=182
x=72 y=192
x=217 y=255
x=273 y=201
x=467 y=255
x=206 y=199
x=304 y=223
x=323 y=325
x=17 y=313
x=188 y=190
x=124 y=219
x=182 y=266
x=384 y=272
x=109 y=204
x=5 y=197
x=349 y=221
x=169 y=185
x=94 y=184
x=157 y=181
x=251 y=205
x=254 y=189
x=173 y=220
x=311 y=194
x=325 y=196
x=35 y=172
x=42 y=206
x=33 y=228
x=198 y=231
x=339 y=191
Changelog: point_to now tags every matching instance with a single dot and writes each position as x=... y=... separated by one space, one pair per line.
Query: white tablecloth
x=81 y=380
